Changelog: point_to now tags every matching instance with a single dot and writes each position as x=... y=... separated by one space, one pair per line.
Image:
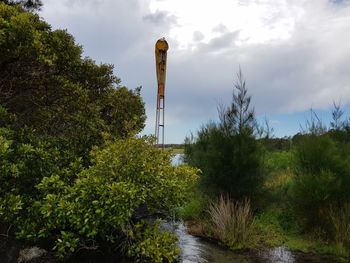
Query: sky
x=294 y=55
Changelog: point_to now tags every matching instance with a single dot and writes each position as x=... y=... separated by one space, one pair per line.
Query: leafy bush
x=24 y=161
x=151 y=244
x=101 y=202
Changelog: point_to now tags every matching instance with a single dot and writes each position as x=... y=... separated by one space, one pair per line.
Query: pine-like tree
x=227 y=152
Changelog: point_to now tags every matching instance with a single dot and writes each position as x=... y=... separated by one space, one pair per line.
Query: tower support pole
x=160 y=121
x=161 y=49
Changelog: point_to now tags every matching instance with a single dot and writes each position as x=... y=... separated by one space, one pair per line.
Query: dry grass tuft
x=340 y=219
x=231 y=221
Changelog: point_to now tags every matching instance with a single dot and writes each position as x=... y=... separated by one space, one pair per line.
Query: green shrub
x=100 y=202
x=24 y=161
x=150 y=244
x=279 y=161
x=322 y=180
x=194 y=209
x=267 y=230
x=279 y=175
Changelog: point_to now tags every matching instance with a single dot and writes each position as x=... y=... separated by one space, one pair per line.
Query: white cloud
x=293 y=53
x=258 y=21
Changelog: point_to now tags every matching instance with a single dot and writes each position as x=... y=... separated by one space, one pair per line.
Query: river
x=197 y=250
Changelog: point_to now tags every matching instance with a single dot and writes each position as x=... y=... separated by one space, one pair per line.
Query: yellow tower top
x=162 y=45
x=161 y=49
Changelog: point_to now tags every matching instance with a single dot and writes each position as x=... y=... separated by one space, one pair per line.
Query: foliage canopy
x=49 y=87
x=29 y=5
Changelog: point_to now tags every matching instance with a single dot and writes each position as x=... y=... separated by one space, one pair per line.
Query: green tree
x=47 y=84
x=30 y=5
x=337 y=114
x=227 y=152
x=239 y=117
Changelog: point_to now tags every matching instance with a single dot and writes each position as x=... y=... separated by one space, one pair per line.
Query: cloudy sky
x=294 y=54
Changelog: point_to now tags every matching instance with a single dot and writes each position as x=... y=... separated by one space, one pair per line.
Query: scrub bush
x=94 y=208
x=322 y=180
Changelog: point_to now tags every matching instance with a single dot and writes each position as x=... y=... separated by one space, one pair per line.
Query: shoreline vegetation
x=76 y=179
x=304 y=246
x=256 y=191
x=308 y=250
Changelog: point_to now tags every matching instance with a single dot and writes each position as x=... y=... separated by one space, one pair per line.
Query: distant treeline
x=174 y=146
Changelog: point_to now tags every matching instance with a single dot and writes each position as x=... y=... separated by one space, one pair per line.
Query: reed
x=340 y=219
x=231 y=221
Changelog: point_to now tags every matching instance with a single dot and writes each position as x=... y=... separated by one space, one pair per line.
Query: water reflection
x=177 y=159
x=195 y=250
x=277 y=255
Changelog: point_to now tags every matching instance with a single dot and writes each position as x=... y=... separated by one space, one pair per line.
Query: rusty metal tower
x=161 y=49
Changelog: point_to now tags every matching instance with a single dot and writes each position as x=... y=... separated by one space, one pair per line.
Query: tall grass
x=231 y=221
x=340 y=219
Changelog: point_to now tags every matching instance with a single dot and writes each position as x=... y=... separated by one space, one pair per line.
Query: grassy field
x=177 y=150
